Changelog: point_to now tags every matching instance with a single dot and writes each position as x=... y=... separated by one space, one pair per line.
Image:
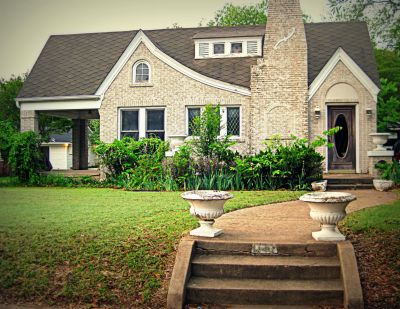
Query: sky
x=25 y=25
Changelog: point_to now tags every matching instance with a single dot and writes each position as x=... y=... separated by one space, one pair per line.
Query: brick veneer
x=367 y=124
x=168 y=88
x=279 y=81
x=29 y=121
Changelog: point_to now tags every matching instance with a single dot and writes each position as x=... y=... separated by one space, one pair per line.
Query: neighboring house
x=283 y=78
x=58 y=151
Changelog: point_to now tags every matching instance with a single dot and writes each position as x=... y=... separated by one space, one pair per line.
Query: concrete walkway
x=287 y=222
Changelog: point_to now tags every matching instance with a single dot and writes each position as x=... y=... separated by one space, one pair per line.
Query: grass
x=384 y=218
x=93 y=246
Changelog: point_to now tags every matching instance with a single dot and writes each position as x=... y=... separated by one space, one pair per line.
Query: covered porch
x=79 y=111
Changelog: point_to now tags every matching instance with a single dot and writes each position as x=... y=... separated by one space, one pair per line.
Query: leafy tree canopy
x=238 y=15
x=388 y=65
x=388 y=105
x=382 y=17
x=10 y=113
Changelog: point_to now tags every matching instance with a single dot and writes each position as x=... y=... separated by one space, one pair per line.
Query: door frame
x=357 y=121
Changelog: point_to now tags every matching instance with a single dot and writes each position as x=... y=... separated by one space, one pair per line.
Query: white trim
x=341 y=55
x=59 y=98
x=227 y=42
x=60 y=105
x=224 y=119
x=142 y=119
x=142 y=38
x=134 y=67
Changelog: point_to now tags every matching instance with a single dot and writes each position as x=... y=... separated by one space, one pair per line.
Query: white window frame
x=142 y=119
x=135 y=65
x=228 y=42
x=224 y=119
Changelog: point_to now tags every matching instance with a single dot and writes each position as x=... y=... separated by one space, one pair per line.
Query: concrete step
x=257 y=307
x=333 y=187
x=265 y=267
x=363 y=180
x=224 y=291
x=265 y=249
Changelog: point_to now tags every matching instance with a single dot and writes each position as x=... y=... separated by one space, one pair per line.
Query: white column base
x=328 y=232
x=206 y=229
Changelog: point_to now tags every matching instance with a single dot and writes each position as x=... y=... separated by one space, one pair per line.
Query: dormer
x=228 y=43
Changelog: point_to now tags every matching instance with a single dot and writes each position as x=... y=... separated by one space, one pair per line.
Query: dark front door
x=342 y=156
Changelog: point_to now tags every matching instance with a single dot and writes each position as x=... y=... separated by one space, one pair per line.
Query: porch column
x=80 y=144
x=29 y=121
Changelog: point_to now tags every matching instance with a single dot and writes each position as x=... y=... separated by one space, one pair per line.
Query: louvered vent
x=204 y=49
x=252 y=47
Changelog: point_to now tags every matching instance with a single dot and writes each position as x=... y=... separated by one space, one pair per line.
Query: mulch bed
x=378 y=258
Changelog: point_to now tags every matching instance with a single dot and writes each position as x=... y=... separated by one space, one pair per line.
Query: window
x=228 y=47
x=193 y=112
x=233 y=121
x=219 y=48
x=130 y=123
x=230 y=120
x=236 y=48
x=155 y=123
x=141 y=71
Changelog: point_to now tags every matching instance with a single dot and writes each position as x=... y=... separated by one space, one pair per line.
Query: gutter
x=58 y=98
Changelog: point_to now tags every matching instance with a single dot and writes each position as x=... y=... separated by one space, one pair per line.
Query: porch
x=80 y=132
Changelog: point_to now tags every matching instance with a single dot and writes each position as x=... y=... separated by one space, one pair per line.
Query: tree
x=388 y=65
x=238 y=15
x=382 y=17
x=388 y=105
x=9 y=89
x=10 y=113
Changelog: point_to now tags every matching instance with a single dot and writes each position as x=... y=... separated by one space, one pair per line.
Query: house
x=283 y=78
x=58 y=151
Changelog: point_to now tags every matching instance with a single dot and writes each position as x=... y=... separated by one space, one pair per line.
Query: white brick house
x=283 y=78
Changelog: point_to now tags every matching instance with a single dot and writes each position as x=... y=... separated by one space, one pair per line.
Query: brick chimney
x=279 y=87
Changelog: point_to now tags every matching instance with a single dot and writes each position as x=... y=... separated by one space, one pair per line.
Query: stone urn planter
x=328 y=208
x=175 y=141
x=319 y=185
x=206 y=205
x=382 y=184
x=379 y=139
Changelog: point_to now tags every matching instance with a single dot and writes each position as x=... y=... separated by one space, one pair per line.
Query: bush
x=133 y=164
x=389 y=171
x=25 y=157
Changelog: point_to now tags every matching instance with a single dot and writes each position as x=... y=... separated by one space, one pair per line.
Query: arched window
x=141 y=72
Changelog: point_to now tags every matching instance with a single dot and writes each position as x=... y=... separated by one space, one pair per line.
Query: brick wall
x=366 y=124
x=29 y=121
x=279 y=80
x=168 y=88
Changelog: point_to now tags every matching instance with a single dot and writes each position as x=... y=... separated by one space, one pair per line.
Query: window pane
x=236 y=48
x=134 y=135
x=192 y=114
x=219 y=48
x=233 y=121
x=142 y=73
x=160 y=135
x=130 y=120
x=155 y=120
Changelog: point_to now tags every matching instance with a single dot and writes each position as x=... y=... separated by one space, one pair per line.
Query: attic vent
x=204 y=49
x=252 y=47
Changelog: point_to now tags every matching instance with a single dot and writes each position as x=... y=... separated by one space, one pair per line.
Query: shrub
x=25 y=157
x=389 y=171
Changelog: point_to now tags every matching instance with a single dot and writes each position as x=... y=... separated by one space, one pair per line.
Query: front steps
x=241 y=275
x=348 y=182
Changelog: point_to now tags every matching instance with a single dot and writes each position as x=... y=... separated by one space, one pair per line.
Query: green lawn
x=384 y=218
x=80 y=245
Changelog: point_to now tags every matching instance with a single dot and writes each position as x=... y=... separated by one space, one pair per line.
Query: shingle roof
x=77 y=64
x=323 y=39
